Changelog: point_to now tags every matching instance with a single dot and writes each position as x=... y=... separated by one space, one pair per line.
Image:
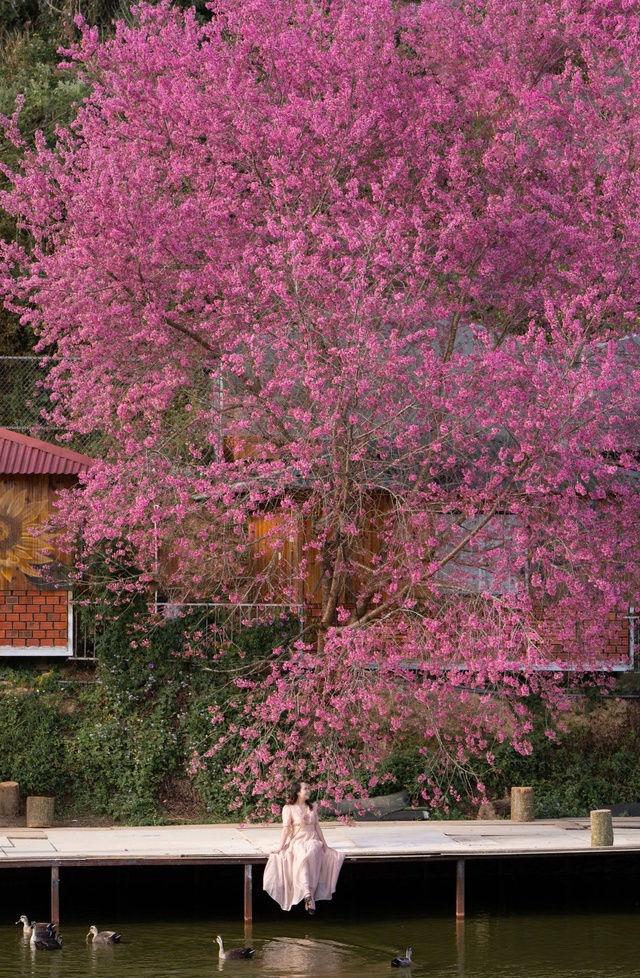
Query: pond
x=330 y=945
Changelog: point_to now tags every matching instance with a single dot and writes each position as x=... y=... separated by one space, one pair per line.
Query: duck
x=26 y=925
x=49 y=941
x=234 y=953
x=402 y=962
x=41 y=932
x=103 y=936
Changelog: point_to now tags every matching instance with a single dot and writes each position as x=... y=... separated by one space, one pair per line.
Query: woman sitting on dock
x=303 y=867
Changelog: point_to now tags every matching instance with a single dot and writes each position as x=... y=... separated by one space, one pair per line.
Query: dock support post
x=460 y=889
x=248 y=893
x=460 y=944
x=55 y=895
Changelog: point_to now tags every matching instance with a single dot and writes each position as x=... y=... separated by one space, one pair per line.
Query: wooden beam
x=248 y=893
x=55 y=895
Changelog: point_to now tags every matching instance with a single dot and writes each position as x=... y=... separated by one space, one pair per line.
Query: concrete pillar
x=522 y=804
x=9 y=798
x=601 y=828
x=40 y=811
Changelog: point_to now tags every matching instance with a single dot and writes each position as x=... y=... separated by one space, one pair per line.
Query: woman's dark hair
x=294 y=791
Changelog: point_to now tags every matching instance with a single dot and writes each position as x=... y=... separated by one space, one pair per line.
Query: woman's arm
x=286 y=830
x=319 y=831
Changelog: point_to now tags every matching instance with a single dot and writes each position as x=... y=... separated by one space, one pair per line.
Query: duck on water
x=402 y=962
x=33 y=930
x=103 y=936
x=43 y=936
x=234 y=953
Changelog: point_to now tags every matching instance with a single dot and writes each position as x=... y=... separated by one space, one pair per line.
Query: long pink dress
x=303 y=867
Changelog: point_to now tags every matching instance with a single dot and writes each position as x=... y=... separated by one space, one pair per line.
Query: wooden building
x=36 y=594
x=36 y=608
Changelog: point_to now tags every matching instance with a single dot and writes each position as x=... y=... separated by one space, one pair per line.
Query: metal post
x=460 y=889
x=248 y=893
x=55 y=895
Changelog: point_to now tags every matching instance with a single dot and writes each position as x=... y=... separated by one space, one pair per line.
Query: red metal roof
x=22 y=455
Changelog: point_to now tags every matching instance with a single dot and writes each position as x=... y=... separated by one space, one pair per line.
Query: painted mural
x=25 y=550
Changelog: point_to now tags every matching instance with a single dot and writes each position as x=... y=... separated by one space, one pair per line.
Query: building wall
x=35 y=622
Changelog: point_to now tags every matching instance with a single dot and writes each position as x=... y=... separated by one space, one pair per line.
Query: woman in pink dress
x=303 y=867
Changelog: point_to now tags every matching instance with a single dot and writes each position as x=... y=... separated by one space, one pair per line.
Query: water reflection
x=101 y=958
x=538 y=946
x=460 y=945
x=304 y=956
x=30 y=961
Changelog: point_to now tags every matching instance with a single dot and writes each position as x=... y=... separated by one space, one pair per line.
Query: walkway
x=226 y=843
x=249 y=845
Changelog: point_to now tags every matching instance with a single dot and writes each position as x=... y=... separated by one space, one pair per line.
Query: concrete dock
x=233 y=843
x=249 y=845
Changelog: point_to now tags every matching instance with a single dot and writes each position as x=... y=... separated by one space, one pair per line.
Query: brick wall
x=615 y=654
x=616 y=651
x=34 y=619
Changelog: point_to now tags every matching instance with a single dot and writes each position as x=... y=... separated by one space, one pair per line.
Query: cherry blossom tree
x=350 y=290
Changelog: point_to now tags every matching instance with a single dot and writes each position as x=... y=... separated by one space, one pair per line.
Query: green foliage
x=33 y=743
x=28 y=67
x=213 y=687
x=120 y=758
x=573 y=776
x=106 y=747
x=110 y=744
x=595 y=764
x=401 y=771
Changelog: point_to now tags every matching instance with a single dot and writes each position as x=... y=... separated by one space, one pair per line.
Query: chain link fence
x=24 y=401
x=22 y=398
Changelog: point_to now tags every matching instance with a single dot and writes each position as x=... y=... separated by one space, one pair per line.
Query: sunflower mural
x=24 y=552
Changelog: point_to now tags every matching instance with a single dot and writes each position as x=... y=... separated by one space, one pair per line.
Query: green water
x=524 y=946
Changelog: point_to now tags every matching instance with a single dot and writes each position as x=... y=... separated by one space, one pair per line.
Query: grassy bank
x=116 y=741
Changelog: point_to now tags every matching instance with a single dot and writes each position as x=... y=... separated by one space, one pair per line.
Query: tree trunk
x=9 y=798
x=522 y=804
x=382 y=805
x=40 y=811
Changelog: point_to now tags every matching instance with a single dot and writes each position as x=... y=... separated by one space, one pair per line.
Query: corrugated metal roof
x=23 y=455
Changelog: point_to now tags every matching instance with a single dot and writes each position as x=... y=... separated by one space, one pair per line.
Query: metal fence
x=22 y=396
x=218 y=625
x=24 y=401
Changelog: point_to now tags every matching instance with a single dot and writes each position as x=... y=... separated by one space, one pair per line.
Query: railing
x=219 y=624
